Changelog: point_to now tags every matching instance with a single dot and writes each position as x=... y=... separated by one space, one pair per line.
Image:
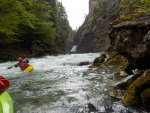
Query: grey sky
x=76 y=11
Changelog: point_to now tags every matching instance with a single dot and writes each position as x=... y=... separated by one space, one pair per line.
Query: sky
x=76 y=11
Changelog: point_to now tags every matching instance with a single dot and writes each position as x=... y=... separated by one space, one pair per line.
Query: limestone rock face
x=92 y=5
x=92 y=35
x=131 y=39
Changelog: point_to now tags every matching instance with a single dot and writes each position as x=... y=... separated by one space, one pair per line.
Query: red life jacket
x=4 y=84
x=23 y=65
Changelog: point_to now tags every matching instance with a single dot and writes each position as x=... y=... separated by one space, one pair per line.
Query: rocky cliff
x=131 y=38
x=122 y=26
x=106 y=27
x=92 y=36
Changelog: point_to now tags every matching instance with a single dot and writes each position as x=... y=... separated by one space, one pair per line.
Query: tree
x=43 y=34
x=32 y=25
x=11 y=17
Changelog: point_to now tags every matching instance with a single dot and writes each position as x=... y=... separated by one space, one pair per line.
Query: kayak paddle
x=10 y=67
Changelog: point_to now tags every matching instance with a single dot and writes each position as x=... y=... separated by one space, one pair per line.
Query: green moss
x=112 y=54
x=145 y=99
x=116 y=59
x=118 y=75
x=100 y=41
x=131 y=100
x=126 y=17
x=116 y=93
x=96 y=64
x=99 y=60
x=133 y=94
x=86 y=31
x=146 y=93
x=128 y=6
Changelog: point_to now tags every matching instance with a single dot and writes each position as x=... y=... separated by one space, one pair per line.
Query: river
x=59 y=85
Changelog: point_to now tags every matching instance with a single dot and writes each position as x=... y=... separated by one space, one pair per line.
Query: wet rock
x=92 y=35
x=129 y=67
x=121 y=75
x=116 y=93
x=126 y=82
x=138 y=71
x=91 y=107
x=108 y=107
x=99 y=60
x=83 y=63
x=146 y=99
x=115 y=59
x=135 y=93
x=130 y=39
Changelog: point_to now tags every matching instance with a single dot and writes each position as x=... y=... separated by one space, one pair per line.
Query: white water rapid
x=59 y=85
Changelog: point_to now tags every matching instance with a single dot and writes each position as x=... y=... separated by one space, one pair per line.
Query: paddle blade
x=9 y=67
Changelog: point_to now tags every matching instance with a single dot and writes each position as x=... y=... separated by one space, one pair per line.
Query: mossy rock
x=146 y=99
x=96 y=65
x=117 y=75
x=115 y=59
x=125 y=82
x=126 y=17
x=115 y=93
x=120 y=75
x=133 y=94
x=99 y=60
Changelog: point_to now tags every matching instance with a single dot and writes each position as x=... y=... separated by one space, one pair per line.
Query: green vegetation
x=135 y=93
x=132 y=9
x=116 y=59
x=126 y=17
x=37 y=23
x=99 y=60
x=135 y=5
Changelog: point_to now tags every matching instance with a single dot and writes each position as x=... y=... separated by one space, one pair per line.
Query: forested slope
x=32 y=28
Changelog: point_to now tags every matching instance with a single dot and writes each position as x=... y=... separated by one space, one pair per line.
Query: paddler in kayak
x=22 y=63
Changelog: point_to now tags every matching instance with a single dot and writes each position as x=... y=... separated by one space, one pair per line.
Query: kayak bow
x=6 y=104
x=29 y=68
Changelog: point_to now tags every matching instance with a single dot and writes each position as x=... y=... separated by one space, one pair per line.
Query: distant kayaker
x=22 y=63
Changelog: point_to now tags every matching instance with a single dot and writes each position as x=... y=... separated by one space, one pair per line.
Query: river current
x=59 y=85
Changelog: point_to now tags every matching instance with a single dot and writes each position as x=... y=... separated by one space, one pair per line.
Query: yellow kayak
x=29 y=68
x=6 y=104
